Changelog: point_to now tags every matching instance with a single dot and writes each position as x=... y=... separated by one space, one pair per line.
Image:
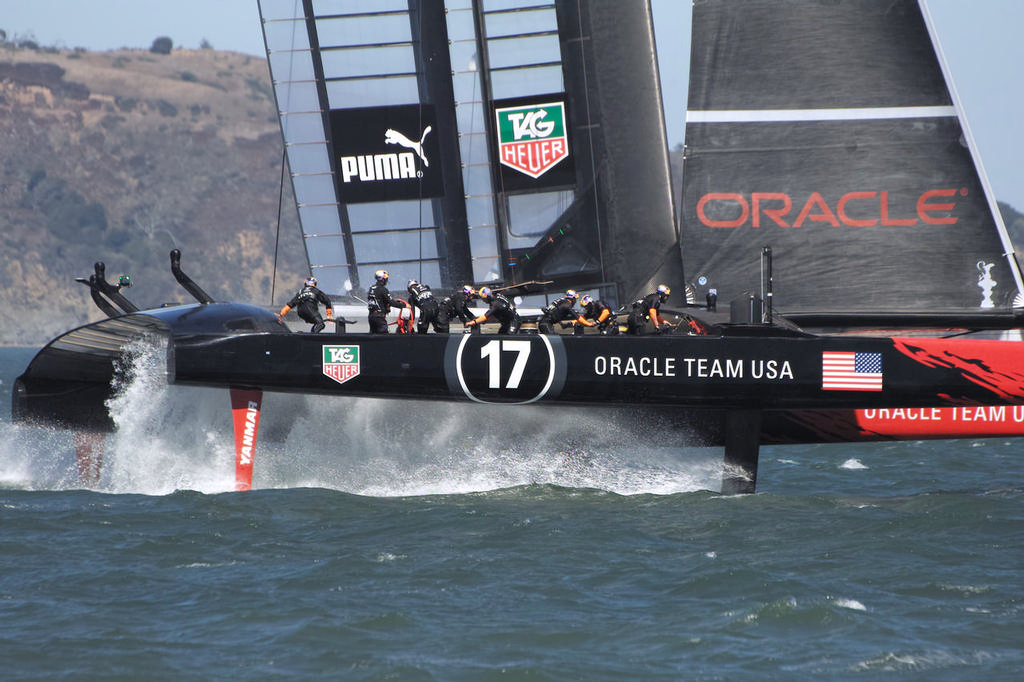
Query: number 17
x=492 y=351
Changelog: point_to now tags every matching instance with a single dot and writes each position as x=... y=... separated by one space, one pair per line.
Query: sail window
x=320 y=218
x=412 y=244
x=309 y=158
x=302 y=99
x=331 y=7
x=397 y=213
x=284 y=35
x=480 y=212
x=370 y=60
x=509 y=52
x=514 y=19
x=302 y=127
x=525 y=81
x=380 y=28
x=327 y=248
x=293 y=63
x=530 y=215
x=372 y=92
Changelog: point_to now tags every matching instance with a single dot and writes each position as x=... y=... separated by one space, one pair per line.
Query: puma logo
x=395 y=137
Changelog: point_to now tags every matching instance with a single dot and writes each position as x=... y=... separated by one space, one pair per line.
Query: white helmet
x=381 y=275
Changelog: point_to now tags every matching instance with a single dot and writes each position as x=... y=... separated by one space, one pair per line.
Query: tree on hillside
x=161 y=45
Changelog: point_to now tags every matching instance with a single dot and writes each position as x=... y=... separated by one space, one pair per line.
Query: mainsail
x=476 y=141
x=827 y=131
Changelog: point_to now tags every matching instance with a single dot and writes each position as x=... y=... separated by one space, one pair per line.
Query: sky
x=982 y=41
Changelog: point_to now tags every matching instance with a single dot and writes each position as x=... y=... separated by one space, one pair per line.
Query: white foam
x=181 y=438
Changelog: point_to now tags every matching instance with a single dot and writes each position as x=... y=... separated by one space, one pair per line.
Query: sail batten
x=754 y=115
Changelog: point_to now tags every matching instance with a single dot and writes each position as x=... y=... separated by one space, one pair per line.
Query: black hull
x=700 y=378
x=748 y=368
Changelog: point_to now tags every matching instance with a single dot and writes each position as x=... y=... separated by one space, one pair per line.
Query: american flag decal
x=849 y=371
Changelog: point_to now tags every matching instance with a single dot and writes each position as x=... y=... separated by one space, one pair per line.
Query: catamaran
x=831 y=197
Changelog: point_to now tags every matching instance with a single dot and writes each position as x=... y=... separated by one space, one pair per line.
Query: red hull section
x=916 y=423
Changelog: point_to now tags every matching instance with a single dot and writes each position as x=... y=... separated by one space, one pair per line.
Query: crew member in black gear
x=307 y=305
x=596 y=313
x=501 y=309
x=557 y=312
x=457 y=305
x=431 y=310
x=648 y=308
x=380 y=303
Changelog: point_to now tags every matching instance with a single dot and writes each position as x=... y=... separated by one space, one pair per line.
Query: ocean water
x=393 y=541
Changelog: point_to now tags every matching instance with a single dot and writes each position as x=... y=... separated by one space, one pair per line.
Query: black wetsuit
x=504 y=311
x=458 y=306
x=594 y=310
x=559 y=311
x=380 y=303
x=431 y=310
x=636 y=323
x=307 y=306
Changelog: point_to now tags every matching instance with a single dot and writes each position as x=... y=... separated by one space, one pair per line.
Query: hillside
x=119 y=157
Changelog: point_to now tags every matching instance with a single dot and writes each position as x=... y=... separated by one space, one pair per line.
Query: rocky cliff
x=121 y=156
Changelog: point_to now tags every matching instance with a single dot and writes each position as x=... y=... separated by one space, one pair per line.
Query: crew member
x=712 y=300
x=380 y=303
x=431 y=310
x=307 y=305
x=648 y=308
x=596 y=313
x=457 y=305
x=501 y=309
x=558 y=312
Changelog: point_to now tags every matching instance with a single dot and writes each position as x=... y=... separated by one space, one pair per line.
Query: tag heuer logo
x=532 y=138
x=341 y=363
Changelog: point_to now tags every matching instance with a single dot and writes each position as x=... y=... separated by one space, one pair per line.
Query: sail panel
x=780 y=54
x=826 y=131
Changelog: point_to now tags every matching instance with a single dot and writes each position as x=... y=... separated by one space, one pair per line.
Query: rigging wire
x=419 y=112
x=280 y=207
x=590 y=136
x=284 y=141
